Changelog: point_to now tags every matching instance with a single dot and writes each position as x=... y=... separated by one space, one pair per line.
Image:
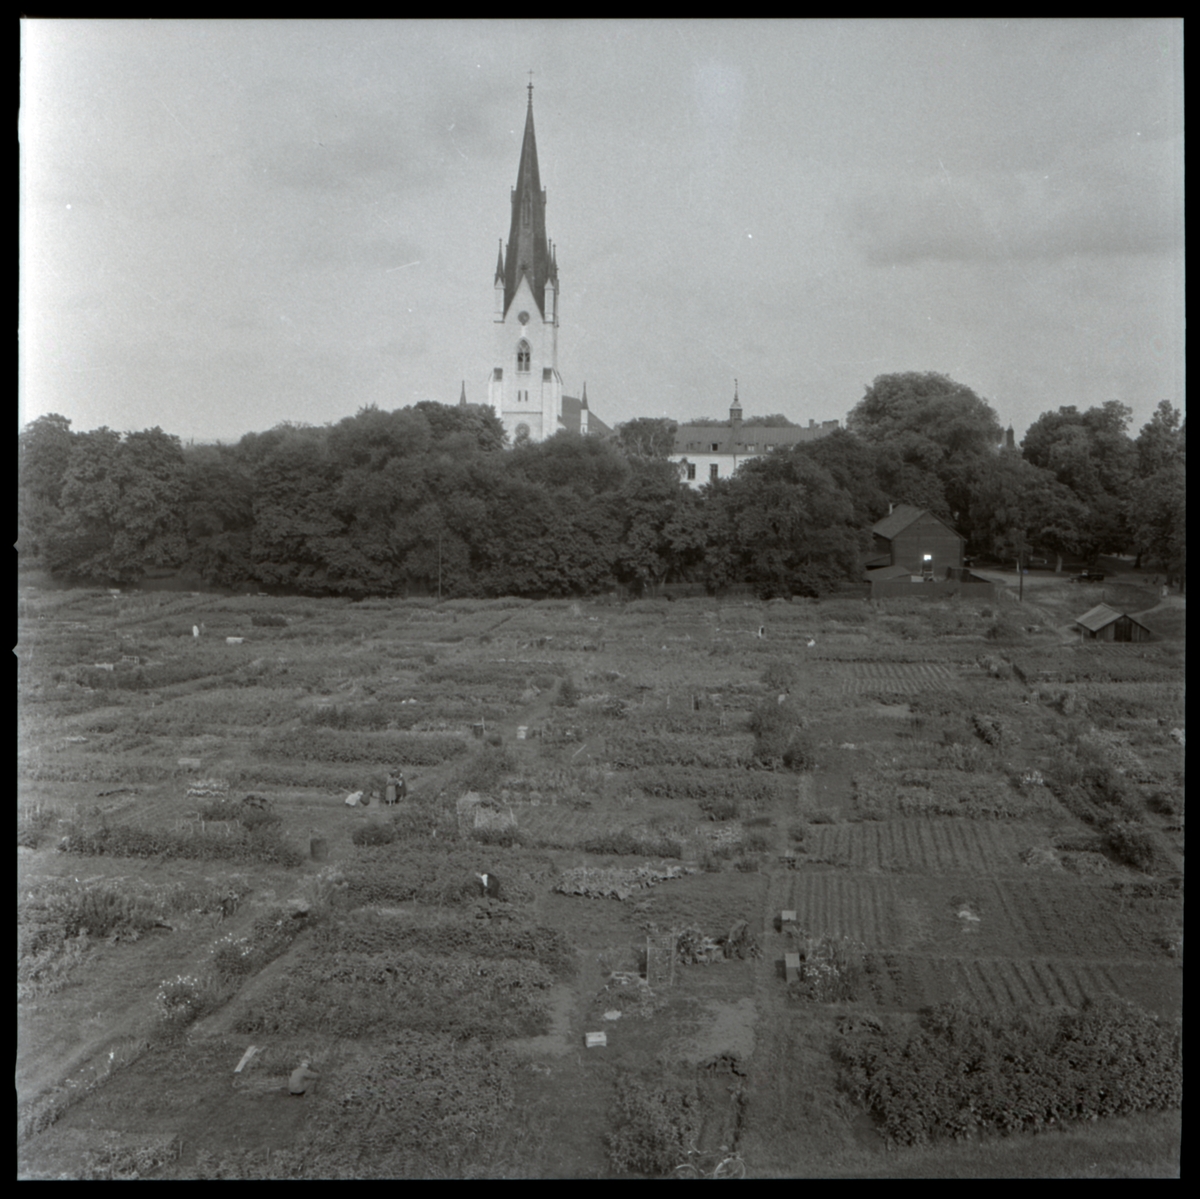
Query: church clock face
x=523 y=317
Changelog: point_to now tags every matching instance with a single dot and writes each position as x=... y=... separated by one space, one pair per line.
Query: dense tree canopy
x=939 y=433
x=647 y=437
x=424 y=498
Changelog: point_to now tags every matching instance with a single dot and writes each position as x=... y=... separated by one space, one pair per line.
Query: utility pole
x=439 y=568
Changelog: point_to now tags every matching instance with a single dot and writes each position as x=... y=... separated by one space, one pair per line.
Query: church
x=526 y=389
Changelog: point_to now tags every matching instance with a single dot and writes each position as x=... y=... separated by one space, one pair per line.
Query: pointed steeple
x=528 y=250
x=735 y=409
x=583 y=402
x=462 y=396
x=500 y=261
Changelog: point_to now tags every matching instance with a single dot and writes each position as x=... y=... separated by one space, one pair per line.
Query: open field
x=953 y=816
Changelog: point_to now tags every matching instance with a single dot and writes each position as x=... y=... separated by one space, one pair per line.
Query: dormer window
x=522 y=356
x=715 y=446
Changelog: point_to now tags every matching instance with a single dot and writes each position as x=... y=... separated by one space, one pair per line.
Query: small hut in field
x=1103 y=623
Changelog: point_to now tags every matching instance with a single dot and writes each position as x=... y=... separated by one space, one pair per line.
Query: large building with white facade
x=705 y=453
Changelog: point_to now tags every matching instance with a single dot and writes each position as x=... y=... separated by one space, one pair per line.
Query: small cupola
x=735 y=409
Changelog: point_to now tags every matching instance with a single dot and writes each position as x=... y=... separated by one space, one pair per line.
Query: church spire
x=528 y=250
x=500 y=261
x=462 y=395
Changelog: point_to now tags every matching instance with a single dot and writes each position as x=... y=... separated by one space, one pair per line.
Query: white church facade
x=525 y=388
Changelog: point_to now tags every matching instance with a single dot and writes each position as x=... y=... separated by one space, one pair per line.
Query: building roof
x=528 y=253
x=572 y=406
x=1101 y=616
x=896 y=521
x=699 y=439
x=901 y=517
x=888 y=572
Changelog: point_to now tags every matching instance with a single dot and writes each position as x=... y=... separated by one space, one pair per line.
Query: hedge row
x=128 y=841
x=441 y=875
x=358 y=995
x=370 y=934
x=739 y=786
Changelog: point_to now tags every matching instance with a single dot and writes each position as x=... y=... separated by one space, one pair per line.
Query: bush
x=568 y=694
x=721 y=809
x=1132 y=845
x=988 y=728
x=780 y=675
x=779 y=737
x=374 y=833
x=656 y=1124
x=962 y=1070
x=756 y=842
x=424 y=1105
x=267 y=620
x=633 y=842
x=185 y=998
x=490 y=766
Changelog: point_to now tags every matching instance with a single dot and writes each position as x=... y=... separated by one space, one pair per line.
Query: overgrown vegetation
x=655 y=1122
x=961 y=1070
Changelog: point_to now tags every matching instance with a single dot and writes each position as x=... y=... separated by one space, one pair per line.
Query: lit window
x=522 y=356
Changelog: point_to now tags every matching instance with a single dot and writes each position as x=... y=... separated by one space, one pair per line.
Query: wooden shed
x=918 y=541
x=1103 y=623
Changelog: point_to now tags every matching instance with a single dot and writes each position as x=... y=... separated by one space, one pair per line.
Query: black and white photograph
x=600 y=599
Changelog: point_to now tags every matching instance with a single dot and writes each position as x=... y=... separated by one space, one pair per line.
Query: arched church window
x=522 y=355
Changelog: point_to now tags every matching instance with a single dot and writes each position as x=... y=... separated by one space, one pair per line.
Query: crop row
x=899 y=980
x=920 y=845
x=857 y=678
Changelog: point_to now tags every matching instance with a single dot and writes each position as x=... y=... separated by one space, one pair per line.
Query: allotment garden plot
x=610 y=809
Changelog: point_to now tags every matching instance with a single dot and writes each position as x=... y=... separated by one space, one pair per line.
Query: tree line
x=429 y=498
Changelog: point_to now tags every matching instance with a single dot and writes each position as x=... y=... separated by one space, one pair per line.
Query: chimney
x=890 y=507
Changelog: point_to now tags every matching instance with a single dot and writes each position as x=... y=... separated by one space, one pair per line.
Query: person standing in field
x=301 y=1079
x=395 y=789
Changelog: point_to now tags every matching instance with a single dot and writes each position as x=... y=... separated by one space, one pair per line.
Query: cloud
x=1124 y=199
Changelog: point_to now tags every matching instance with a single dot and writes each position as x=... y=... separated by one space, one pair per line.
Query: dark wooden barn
x=918 y=541
x=1103 y=623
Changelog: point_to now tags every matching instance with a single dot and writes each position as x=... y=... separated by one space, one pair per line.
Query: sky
x=226 y=225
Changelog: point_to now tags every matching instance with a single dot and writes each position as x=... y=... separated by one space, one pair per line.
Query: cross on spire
x=530 y=85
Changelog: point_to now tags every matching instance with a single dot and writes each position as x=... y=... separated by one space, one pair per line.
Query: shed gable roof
x=1101 y=616
x=901 y=517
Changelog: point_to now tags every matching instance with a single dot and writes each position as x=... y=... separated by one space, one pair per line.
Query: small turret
x=735 y=409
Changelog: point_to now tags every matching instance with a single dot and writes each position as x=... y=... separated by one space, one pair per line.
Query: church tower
x=526 y=388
